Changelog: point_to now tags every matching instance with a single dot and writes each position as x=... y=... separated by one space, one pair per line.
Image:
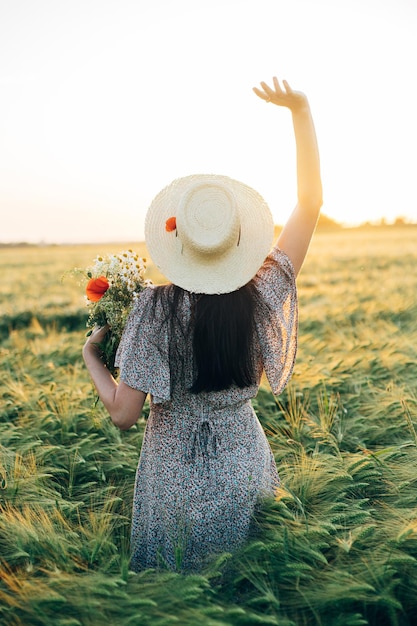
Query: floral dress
x=205 y=460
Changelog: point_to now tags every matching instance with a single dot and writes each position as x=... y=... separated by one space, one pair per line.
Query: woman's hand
x=284 y=97
x=96 y=338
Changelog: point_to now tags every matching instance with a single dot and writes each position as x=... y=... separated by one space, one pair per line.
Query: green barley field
x=338 y=546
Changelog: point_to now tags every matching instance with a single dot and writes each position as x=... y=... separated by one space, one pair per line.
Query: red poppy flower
x=96 y=288
x=171 y=224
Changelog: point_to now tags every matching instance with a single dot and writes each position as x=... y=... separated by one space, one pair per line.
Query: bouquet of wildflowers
x=114 y=283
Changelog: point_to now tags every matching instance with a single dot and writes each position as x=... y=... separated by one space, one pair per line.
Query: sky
x=104 y=102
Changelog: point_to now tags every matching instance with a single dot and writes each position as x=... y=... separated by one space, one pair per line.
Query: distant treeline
x=326 y=223
x=25 y=244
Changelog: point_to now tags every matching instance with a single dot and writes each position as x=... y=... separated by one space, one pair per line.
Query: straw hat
x=208 y=233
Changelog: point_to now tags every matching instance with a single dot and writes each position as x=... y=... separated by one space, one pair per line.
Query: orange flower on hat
x=96 y=288
x=171 y=224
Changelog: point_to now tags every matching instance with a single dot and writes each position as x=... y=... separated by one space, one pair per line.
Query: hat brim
x=198 y=273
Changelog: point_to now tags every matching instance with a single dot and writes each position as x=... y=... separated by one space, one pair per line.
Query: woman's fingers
x=267 y=89
x=260 y=93
x=99 y=332
x=281 y=95
x=269 y=93
x=277 y=85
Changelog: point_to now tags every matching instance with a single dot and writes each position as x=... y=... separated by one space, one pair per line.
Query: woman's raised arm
x=297 y=232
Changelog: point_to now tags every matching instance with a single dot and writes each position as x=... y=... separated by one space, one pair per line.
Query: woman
x=198 y=347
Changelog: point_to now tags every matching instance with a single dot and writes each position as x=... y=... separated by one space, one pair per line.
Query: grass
x=338 y=545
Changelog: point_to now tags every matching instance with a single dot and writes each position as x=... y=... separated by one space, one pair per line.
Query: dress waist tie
x=203 y=443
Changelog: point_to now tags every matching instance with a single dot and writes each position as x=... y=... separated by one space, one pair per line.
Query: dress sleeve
x=277 y=330
x=142 y=355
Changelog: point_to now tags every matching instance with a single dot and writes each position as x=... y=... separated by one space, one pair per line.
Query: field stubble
x=338 y=545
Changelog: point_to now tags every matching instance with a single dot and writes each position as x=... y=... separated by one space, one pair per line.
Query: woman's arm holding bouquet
x=123 y=403
x=296 y=235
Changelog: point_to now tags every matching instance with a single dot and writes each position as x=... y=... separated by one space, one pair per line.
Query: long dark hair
x=223 y=335
x=223 y=331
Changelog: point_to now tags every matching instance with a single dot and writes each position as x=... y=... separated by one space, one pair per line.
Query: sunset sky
x=103 y=102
